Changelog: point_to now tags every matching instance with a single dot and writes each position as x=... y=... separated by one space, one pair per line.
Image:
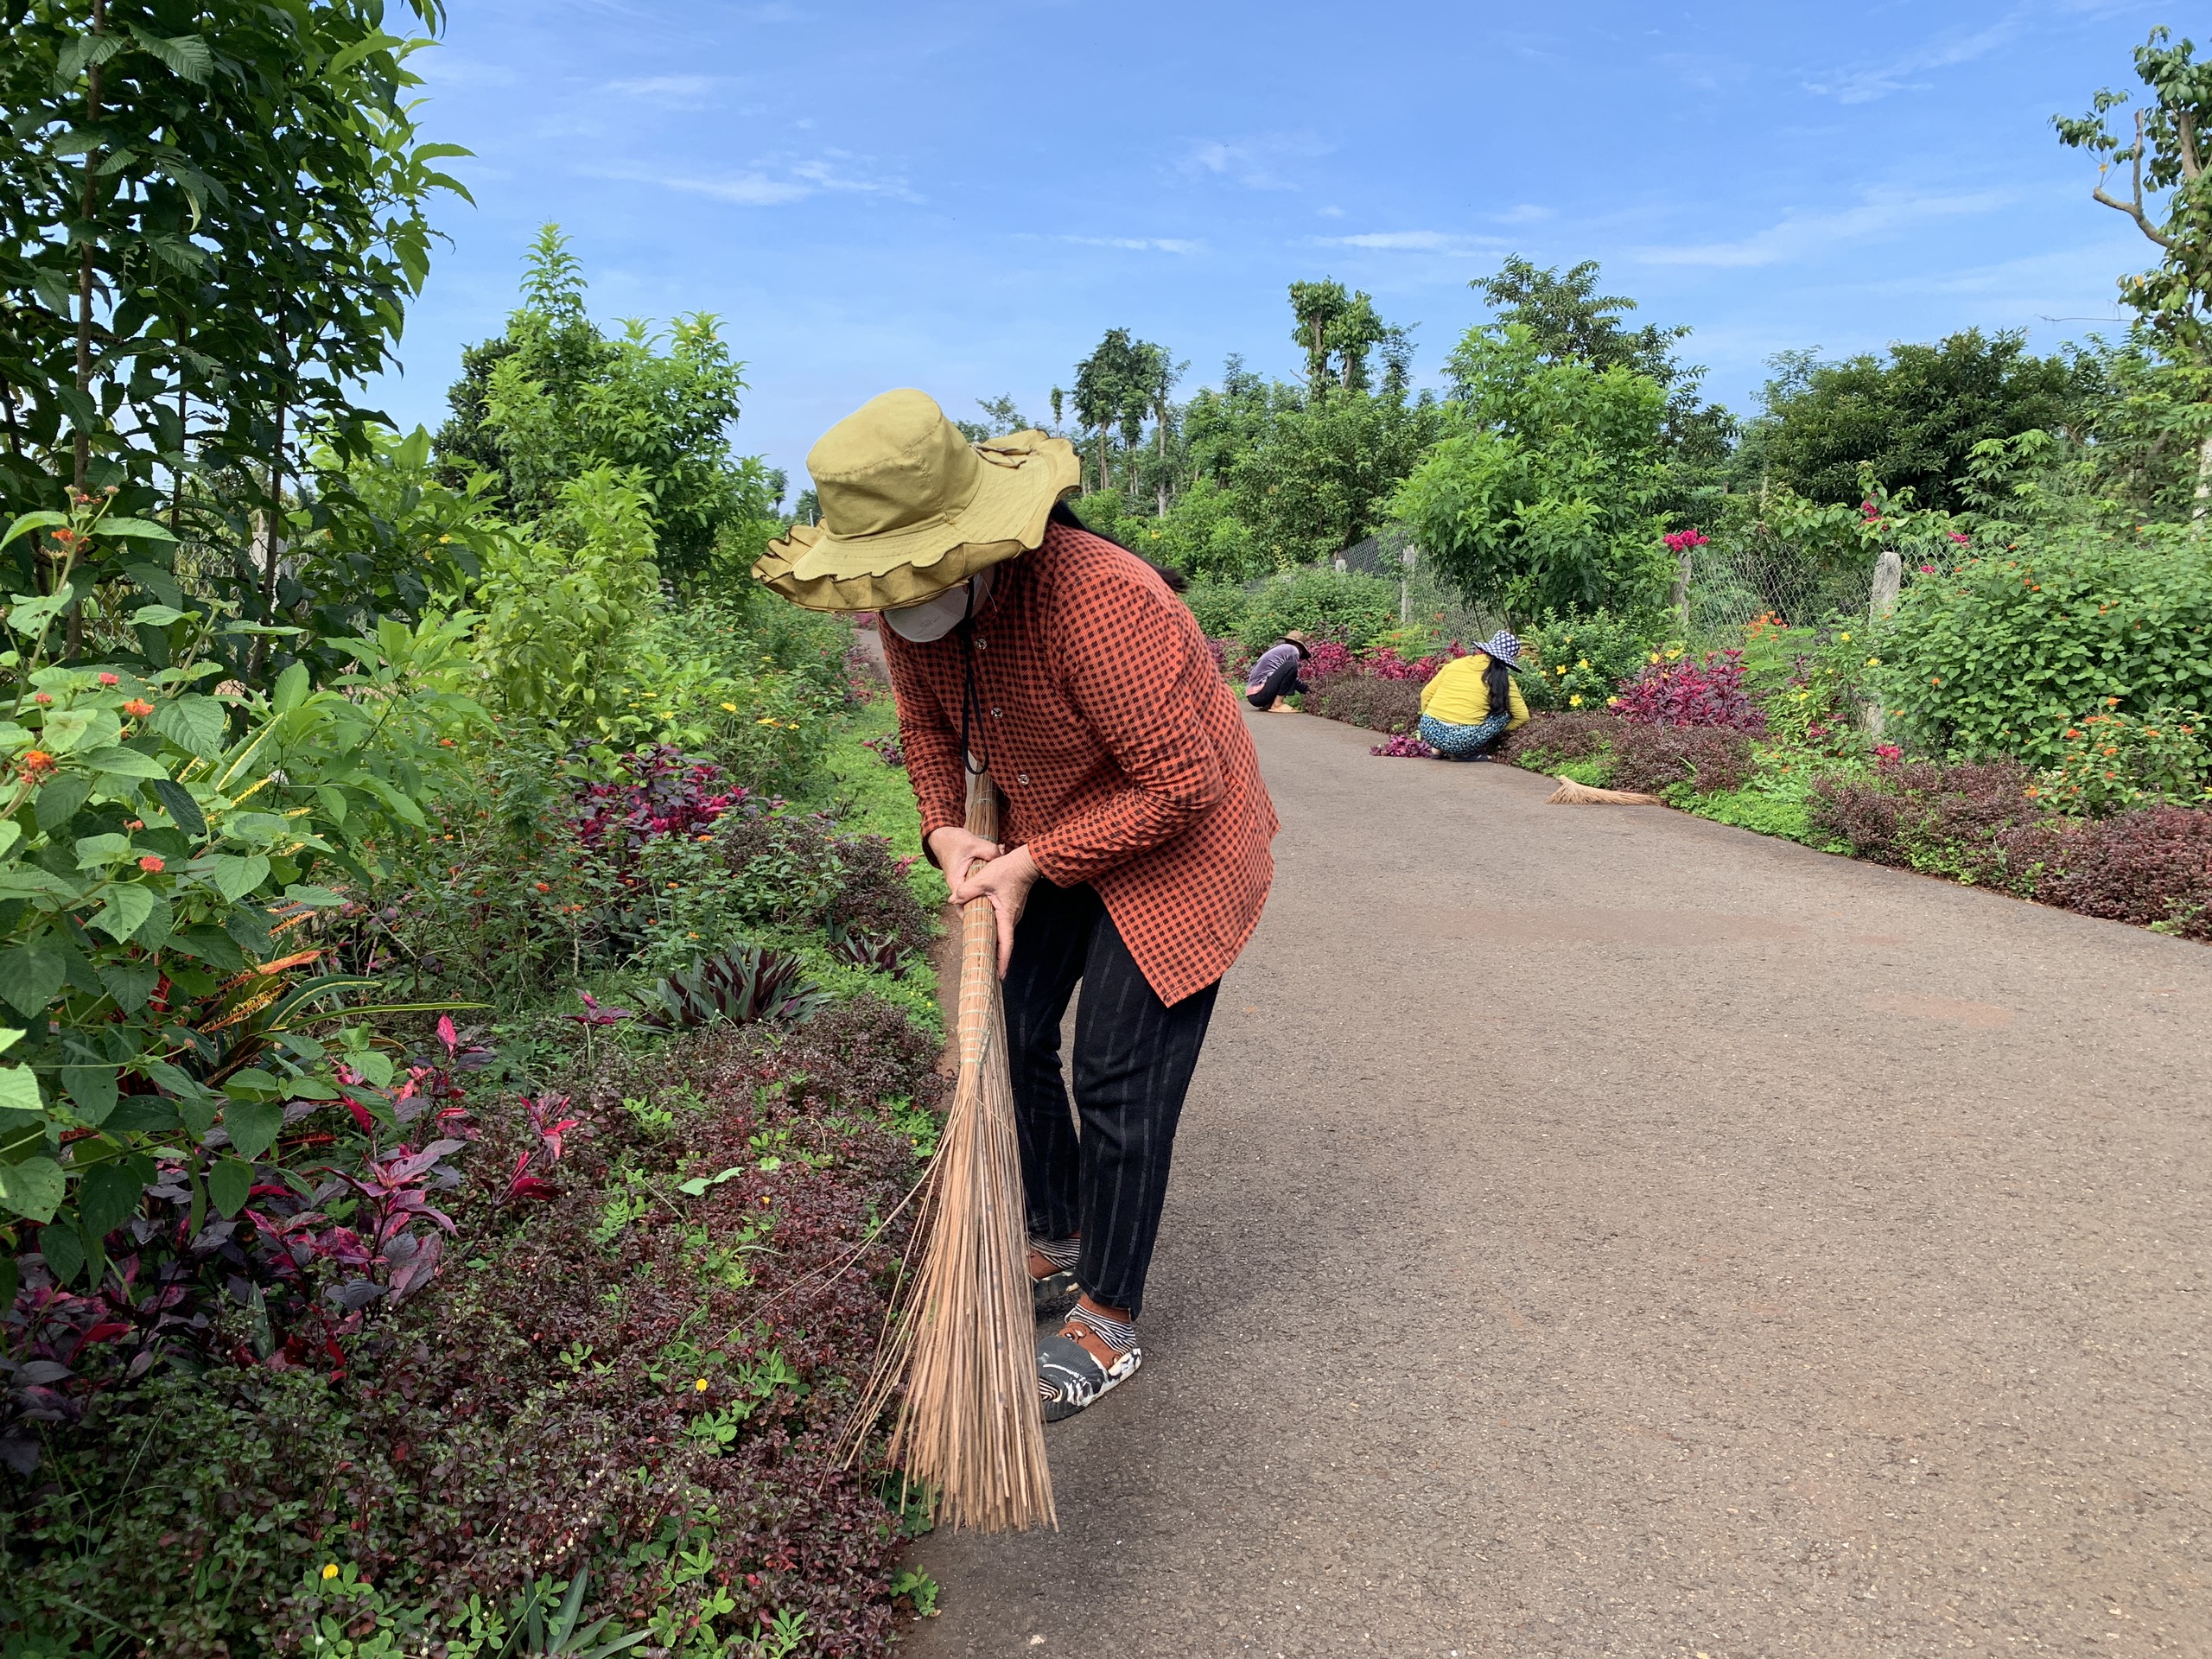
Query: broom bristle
x=1570 y=793
x=970 y=1429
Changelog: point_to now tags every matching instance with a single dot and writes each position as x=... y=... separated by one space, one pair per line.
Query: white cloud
x=1255 y=162
x=1525 y=212
x=755 y=187
x=1800 y=236
x=1138 y=244
x=1898 y=74
x=1413 y=242
x=666 y=88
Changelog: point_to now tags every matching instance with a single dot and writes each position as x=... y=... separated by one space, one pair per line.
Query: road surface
x=1596 y=1231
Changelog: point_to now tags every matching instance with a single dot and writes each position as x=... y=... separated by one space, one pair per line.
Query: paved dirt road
x=1598 y=1231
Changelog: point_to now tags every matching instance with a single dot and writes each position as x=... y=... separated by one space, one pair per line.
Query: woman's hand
x=1005 y=881
x=955 y=849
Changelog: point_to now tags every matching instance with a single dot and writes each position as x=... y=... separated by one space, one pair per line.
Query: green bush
x=1576 y=661
x=147 y=857
x=2112 y=760
x=2001 y=654
x=1326 y=604
x=1220 y=608
x=1202 y=536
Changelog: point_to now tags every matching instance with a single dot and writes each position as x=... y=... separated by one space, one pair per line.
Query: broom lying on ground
x=962 y=1338
x=1570 y=793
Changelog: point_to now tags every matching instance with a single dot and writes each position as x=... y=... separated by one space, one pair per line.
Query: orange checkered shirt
x=1119 y=749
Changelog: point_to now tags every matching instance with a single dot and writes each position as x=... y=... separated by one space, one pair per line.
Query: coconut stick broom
x=970 y=1429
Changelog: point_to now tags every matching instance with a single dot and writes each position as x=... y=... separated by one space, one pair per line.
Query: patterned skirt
x=1462 y=742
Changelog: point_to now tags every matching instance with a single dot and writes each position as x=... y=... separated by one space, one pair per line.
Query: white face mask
x=940 y=613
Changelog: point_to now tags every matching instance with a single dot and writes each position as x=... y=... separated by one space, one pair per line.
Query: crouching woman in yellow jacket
x=1472 y=702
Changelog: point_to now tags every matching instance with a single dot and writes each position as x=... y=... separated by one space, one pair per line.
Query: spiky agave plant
x=741 y=985
x=882 y=953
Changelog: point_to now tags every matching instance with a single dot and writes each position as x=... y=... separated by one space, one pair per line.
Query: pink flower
x=1955 y=536
x=110 y=679
x=1926 y=570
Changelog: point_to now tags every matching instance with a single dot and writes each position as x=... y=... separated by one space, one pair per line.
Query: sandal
x=1070 y=1377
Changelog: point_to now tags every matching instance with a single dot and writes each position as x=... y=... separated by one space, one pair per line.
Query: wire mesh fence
x=1732 y=585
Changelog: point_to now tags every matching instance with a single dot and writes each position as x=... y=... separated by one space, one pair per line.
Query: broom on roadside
x=962 y=1339
x=1570 y=793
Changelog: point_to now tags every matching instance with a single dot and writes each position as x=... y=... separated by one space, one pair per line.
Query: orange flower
x=151 y=865
x=38 y=763
x=138 y=708
x=110 y=679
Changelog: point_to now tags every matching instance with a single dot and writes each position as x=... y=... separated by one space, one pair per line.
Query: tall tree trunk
x=183 y=434
x=2203 y=478
x=88 y=207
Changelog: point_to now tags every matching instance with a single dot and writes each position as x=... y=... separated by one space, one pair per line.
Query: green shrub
x=1576 y=661
x=562 y=605
x=2112 y=760
x=147 y=856
x=1202 y=536
x=2001 y=654
x=1220 y=608
x=1326 y=604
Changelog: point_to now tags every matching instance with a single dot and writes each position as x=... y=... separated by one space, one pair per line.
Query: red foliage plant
x=1692 y=692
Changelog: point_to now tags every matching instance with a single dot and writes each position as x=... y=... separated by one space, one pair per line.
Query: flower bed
x=591 y=1302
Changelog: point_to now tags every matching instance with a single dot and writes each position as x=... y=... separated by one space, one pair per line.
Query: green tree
x=211 y=220
x=1546 y=495
x=1338 y=332
x=2165 y=157
x=564 y=398
x=1915 y=418
x=1571 y=321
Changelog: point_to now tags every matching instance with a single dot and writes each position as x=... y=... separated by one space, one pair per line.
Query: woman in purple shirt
x=1275 y=673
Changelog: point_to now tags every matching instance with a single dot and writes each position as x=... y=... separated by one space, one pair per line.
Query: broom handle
x=979 y=939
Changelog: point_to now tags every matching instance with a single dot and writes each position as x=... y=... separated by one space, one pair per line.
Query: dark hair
x=1064 y=514
x=1497 y=686
x=1176 y=581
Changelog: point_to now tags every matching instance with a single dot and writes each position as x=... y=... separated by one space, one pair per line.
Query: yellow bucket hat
x=909 y=507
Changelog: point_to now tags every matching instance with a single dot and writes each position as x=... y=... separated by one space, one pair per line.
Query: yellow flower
x=701 y=1385
x=1845 y=638
x=1873 y=662
x=330 y=1569
x=442 y=540
x=1574 y=702
x=1655 y=655
x=731 y=707
x=1584 y=664
x=766 y=720
x=1562 y=668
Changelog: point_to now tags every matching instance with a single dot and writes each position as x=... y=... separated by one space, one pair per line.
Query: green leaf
x=131 y=983
x=253 y=1125
x=30 y=974
x=235 y=876
x=696 y=1187
x=291 y=689
x=317 y=897
x=60 y=800
x=109 y=1194
x=19 y=1090
x=94 y=851
x=143 y=1115
x=184 y=811
x=125 y=763
x=25 y=522
x=210 y=944
x=32 y=1189
x=195 y=724
x=63 y=1250
x=91 y=1092
x=155 y=616
x=66 y=729
x=125 y=912
x=145 y=530
x=152 y=933
x=230 y=1183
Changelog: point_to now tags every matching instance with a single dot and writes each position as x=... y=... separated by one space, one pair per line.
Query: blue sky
x=963 y=197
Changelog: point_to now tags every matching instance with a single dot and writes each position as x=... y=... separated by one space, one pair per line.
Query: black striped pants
x=1133 y=1060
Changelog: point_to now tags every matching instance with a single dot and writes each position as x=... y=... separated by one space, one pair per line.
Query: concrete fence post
x=1889 y=579
x=1680 y=600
